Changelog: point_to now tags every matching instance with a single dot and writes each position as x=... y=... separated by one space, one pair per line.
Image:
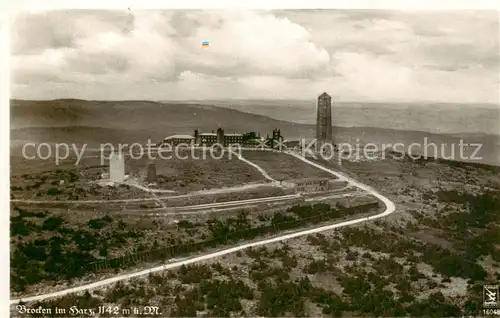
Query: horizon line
x=261 y=99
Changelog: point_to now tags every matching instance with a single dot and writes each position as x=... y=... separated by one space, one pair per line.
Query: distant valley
x=98 y=122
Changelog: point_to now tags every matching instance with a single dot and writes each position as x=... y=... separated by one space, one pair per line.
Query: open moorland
x=50 y=247
x=84 y=227
x=194 y=170
x=282 y=167
x=43 y=180
x=430 y=258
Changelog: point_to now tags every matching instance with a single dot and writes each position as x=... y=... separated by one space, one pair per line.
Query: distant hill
x=98 y=122
x=80 y=135
x=159 y=119
x=456 y=118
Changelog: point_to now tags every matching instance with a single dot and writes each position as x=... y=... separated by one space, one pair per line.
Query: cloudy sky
x=447 y=56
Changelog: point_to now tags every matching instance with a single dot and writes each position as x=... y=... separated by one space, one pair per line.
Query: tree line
x=222 y=234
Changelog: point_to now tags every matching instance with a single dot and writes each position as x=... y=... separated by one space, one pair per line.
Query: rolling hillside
x=158 y=118
x=99 y=122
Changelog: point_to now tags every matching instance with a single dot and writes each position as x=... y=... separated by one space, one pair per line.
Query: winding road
x=389 y=208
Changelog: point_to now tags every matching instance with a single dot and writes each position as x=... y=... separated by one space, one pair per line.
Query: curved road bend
x=390 y=208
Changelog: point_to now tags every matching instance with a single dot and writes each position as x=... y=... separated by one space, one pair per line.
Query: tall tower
x=277 y=138
x=276 y=134
x=197 y=138
x=220 y=136
x=324 y=119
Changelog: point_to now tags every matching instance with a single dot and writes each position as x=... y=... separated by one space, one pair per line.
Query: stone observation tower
x=324 y=119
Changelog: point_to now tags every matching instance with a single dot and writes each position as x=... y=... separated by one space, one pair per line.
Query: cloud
x=33 y=33
x=160 y=45
x=353 y=54
x=461 y=56
x=374 y=77
x=249 y=43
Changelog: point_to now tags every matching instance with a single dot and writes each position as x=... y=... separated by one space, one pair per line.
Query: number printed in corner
x=491 y=312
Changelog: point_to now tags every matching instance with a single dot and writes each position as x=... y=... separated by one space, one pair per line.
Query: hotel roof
x=179 y=137
x=208 y=134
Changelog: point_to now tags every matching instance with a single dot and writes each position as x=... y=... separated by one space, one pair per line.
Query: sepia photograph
x=333 y=162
